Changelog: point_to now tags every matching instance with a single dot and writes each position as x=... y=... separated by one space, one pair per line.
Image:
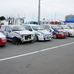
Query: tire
x=69 y=35
x=15 y=41
x=54 y=36
x=35 y=39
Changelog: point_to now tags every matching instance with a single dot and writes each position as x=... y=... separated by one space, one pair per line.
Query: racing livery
x=68 y=29
x=40 y=33
x=56 y=30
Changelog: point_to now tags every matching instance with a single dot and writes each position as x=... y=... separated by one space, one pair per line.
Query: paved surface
x=49 y=57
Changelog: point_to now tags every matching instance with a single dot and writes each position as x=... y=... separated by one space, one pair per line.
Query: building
x=16 y=21
x=69 y=17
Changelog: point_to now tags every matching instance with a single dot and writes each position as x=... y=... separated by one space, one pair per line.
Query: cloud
x=29 y=8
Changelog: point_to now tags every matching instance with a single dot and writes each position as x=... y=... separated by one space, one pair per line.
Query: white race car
x=17 y=34
x=68 y=29
x=71 y=26
x=40 y=32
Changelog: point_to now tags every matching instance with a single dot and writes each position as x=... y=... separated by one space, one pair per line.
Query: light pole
x=39 y=12
x=55 y=16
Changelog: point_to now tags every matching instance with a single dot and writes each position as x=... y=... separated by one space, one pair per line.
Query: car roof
x=63 y=25
x=32 y=24
x=50 y=24
x=46 y=25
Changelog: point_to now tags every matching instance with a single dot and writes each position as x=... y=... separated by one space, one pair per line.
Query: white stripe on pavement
x=36 y=51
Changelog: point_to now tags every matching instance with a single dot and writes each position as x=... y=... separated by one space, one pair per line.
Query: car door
x=8 y=30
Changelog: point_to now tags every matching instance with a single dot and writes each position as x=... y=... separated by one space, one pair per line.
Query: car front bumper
x=71 y=34
x=27 y=38
x=62 y=35
x=3 y=42
x=46 y=37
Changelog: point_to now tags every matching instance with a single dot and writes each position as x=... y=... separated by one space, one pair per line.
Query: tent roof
x=70 y=20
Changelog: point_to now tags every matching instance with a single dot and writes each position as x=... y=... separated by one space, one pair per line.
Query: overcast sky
x=50 y=9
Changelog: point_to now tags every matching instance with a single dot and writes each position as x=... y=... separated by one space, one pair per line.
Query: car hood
x=44 y=31
x=24 y=32
x=69 y=30
x=2 y=35
x=61 y=30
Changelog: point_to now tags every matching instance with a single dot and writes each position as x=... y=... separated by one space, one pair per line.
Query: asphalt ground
x=46 y=57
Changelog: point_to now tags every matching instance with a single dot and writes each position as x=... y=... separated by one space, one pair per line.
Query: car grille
x=47 y=35
x=27 y=37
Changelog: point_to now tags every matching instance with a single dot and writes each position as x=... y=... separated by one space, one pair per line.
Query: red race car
x=56 y=30
x=2 y=39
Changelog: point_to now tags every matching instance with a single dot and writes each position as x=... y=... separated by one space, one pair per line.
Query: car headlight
x=40 y=34
x=3 y=38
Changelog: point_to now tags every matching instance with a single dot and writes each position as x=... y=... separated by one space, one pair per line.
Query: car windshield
x=55 y=27
x=65 y=27
x=38 y=27
x=72 y=26
x=18 y=28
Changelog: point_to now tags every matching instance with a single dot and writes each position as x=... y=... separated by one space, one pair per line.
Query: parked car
x=1 y=24
x=2 y=39
x=40 y=33
x=56 y=30
x=68 y=29
x=17 y=34
x=71 y=26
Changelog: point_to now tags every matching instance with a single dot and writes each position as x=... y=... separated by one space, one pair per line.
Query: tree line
x=2 y=18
